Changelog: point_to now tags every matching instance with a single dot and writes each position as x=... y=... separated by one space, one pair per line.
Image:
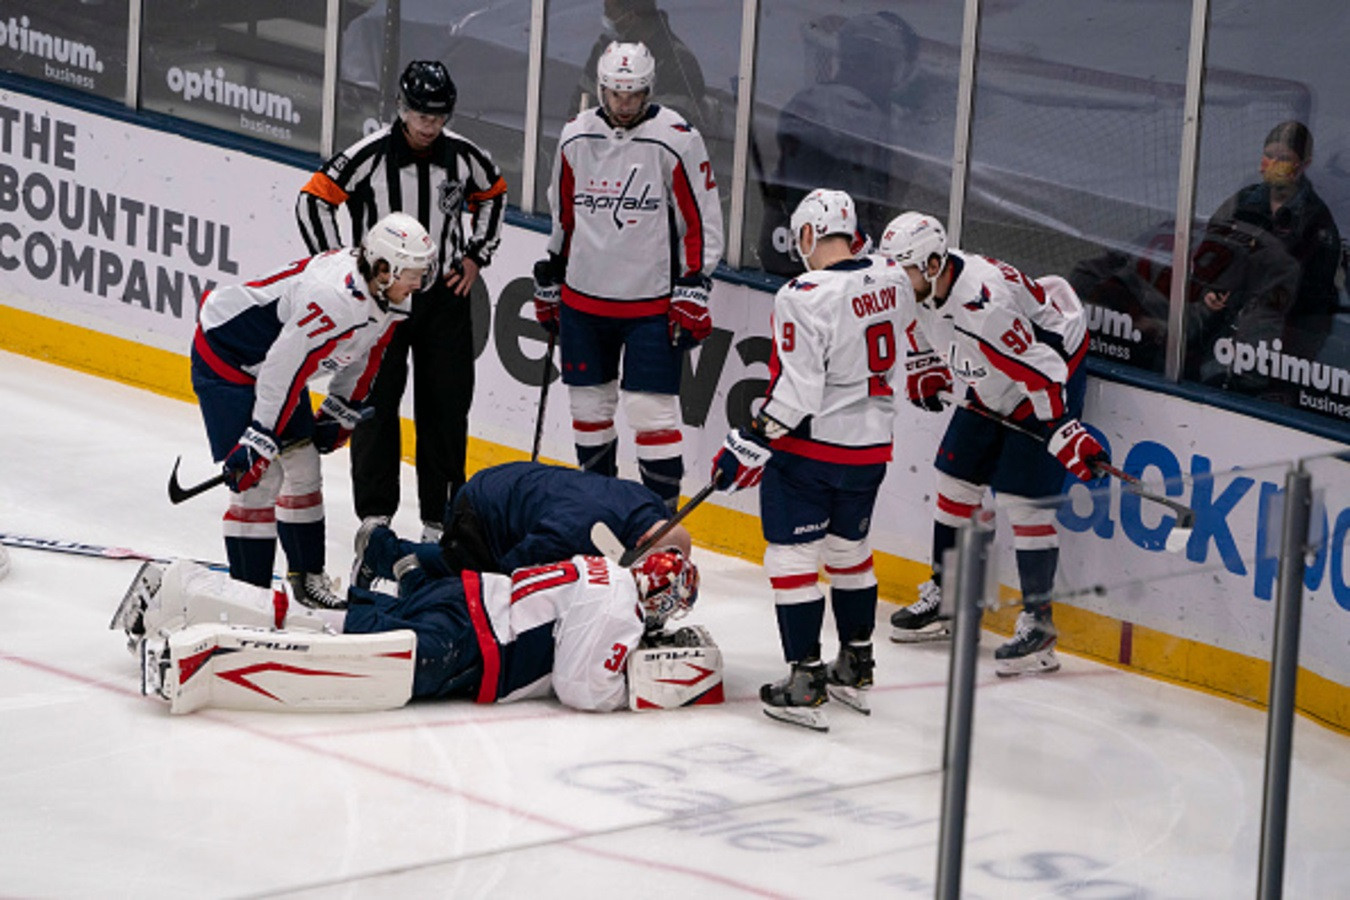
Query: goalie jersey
x=837 y=339
x=281 y=331
x=566 y=626
x=1013 y=340
x=633 y=209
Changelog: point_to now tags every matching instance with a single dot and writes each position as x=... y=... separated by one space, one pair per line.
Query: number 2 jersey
x=837 y=336
x=1014 y=341
x=281 y=331
x=566 y=626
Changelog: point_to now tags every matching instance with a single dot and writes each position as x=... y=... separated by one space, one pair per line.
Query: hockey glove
x=927 y=378
x=690 y=321
x=740 y=462
x=1075 y=449
x=248 y=461
x=335 y=422
x=547 y=293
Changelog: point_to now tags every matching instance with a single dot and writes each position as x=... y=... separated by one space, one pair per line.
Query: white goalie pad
x=231 y=667
x=682 y=668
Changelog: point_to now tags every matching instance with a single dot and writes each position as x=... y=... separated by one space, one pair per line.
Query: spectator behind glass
x=1282 y=206
x=838 y=132
x=679 y=79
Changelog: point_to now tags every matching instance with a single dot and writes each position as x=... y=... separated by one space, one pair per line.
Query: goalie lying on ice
x=584 y=629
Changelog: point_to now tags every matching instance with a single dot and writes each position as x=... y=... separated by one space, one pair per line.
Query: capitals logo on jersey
x=623 y=200
x=979 y=302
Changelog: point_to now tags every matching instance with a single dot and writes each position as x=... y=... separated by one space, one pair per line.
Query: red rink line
x=364 y=763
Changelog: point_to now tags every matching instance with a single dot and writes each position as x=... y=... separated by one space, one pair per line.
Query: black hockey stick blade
x=635 y=554
x=178 y=493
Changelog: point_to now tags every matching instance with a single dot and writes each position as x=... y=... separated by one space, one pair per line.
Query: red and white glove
x=547 y=295
x=690 y=321
x=248 y=461
x=1076 y=449
x=927 y=378
x=335 y=422
x=740 y=462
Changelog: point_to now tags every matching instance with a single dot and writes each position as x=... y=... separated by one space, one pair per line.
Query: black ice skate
x=1032 y=648
x=363 y=575
x=850 y=676
x=315 y=590
x=923 y=620
x=130 y=615
x=798 y=697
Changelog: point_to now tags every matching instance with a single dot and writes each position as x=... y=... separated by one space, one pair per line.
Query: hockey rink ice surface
x=1090 y=783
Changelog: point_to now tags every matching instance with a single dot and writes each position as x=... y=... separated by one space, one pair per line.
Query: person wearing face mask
x=418 y=166
x=818 y=447
x=1284 y=205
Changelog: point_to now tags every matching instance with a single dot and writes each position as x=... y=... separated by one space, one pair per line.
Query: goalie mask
x=625 y=76
x=827 y=212
x=667 y=584
x=402 y=242
x=913 y=238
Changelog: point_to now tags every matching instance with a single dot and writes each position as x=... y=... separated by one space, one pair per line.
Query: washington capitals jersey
x=1012 y=341
x=535 y=513
x=566 y=627
x=281 y=331
x=633 y=209
x=837 y=336
x=381 y=174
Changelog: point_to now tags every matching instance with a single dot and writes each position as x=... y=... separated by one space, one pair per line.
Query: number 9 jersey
x=839 y=334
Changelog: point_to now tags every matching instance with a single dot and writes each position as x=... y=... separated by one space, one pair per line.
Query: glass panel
x=1267 y=315
x=863 y=102
x=484 y=43
x=1074 y=149
x=253 y=68
x=68 y=42
x=696 y=44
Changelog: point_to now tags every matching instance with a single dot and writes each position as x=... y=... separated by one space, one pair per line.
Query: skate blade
x=853 y=698
x=154 y=662
x=806 y=716
x=922 y=636
x=1041 y=663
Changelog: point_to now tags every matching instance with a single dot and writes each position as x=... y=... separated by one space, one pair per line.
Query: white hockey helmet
x=667 y=584
x=626 y=67
x=402 y=242
x=827 y=212
x=913 y=238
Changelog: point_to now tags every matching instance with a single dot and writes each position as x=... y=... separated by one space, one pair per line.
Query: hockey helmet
x=402 y=242
x=426 y=87
x=626 y=67
x=913 y=238
x=827 y=212
x=667 y=584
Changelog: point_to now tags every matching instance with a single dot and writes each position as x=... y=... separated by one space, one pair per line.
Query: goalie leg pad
x=679 y=669
x=225 y=667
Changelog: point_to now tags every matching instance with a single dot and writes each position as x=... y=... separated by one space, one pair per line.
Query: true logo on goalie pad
x=671 y=677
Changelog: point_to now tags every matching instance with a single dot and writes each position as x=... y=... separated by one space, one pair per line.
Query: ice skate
x=155 y=662
x=798 y=697
x=1032 y=648
x=849 y=677
x=315 y=590
x=130 y=615
x=923 y=619
x=363 y=574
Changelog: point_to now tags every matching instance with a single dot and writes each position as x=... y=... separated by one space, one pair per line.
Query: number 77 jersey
x=837 y=336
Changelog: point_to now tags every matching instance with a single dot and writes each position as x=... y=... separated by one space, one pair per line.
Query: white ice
x=1092 y=782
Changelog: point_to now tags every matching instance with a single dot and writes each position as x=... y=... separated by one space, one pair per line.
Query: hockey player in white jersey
x=827 y=416
x=1016 y=346
x=583 y=629
x=637 y=233
x=256 y=347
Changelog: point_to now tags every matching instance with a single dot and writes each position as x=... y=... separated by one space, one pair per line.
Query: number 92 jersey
x=837 y=336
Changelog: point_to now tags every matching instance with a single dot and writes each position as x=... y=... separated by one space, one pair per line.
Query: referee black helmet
x=428 y=88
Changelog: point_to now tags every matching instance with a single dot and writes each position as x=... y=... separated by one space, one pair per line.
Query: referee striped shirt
x=381 y=174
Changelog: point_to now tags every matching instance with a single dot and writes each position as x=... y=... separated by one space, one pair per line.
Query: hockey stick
x=55 y=545
x=178 y=493
x=1185 y=524
x=543 y=395
x=608 y=544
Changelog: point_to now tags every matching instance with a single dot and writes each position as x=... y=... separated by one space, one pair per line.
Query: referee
x=416 y=166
